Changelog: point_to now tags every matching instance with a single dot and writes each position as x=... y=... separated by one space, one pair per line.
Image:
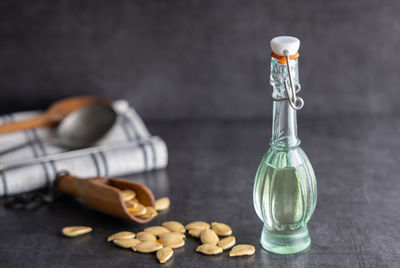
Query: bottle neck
x=284 y=126
x=284 y=121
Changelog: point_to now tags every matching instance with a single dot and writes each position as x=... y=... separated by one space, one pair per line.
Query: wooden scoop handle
x=39 y=121
x=95 y=192
x=70 y=185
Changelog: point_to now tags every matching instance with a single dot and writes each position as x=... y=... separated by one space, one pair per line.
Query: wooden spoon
x=54 y=114
x=104 y=194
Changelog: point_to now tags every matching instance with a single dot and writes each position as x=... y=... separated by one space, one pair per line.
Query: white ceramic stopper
x=281 y=43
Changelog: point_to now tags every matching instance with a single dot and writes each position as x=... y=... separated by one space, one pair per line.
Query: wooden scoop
x=54 y=114
x=104 y=194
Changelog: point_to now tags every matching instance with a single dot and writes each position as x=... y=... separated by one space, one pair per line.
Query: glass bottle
x=285 y=192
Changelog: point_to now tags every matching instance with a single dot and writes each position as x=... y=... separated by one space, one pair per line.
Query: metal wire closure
x=292 y=97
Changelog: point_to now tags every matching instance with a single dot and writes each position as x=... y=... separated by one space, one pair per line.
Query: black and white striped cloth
x=127 y=148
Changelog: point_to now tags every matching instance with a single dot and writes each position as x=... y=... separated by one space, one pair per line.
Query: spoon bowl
x=85 y=126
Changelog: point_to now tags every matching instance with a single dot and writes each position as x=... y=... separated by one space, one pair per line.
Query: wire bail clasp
x=291 y=90
x=292 y=98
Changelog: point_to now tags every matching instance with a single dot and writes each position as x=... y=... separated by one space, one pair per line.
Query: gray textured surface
x=179 y=62
x=210 y=177
x=203 y=59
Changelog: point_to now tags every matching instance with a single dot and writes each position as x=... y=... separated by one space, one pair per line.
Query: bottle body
x=285 y=196
x=285 y=191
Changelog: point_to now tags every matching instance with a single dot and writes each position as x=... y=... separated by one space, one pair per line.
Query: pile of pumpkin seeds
x=170 y=235
x=212 y=244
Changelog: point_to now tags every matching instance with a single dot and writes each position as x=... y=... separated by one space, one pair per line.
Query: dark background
x=197 y=72
x=199 y=59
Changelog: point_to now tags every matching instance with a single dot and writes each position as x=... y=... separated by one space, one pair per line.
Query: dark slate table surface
x=210 y=177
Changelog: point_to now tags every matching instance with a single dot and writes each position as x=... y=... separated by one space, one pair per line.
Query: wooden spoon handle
x=69 y=184
x=39 y=121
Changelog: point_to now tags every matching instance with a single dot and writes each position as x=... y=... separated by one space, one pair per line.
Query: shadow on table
x=294 y=260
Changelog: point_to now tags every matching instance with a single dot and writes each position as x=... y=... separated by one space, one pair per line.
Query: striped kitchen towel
x=127 y=148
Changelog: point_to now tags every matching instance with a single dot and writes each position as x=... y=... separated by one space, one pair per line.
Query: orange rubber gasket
x=282 y=59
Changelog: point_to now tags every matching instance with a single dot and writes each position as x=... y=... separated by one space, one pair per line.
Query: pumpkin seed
x=209 y=249
x=73 y=231
x=221 y=229
x=150 y=212
x=162 y=203
x=156 y=230
x=121 y=235
x=227 y=242
x=241 y=250
x=208 y=236
x=144 y=236
x=199 y=225
x=127 y=243
x=131 y=204
x=180 y=235
x=172 y=241
x=164 y=254
x=174 y=226
x=195 y=232
x=128 y=195
x=147 y=246
x=139 y=210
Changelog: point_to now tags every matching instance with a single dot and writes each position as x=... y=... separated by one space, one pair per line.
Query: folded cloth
x=127 y=148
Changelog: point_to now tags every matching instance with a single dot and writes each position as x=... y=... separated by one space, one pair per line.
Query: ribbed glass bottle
x=285 y=192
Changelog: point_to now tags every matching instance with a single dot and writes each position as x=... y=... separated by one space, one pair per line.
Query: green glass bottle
x=285 y=190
